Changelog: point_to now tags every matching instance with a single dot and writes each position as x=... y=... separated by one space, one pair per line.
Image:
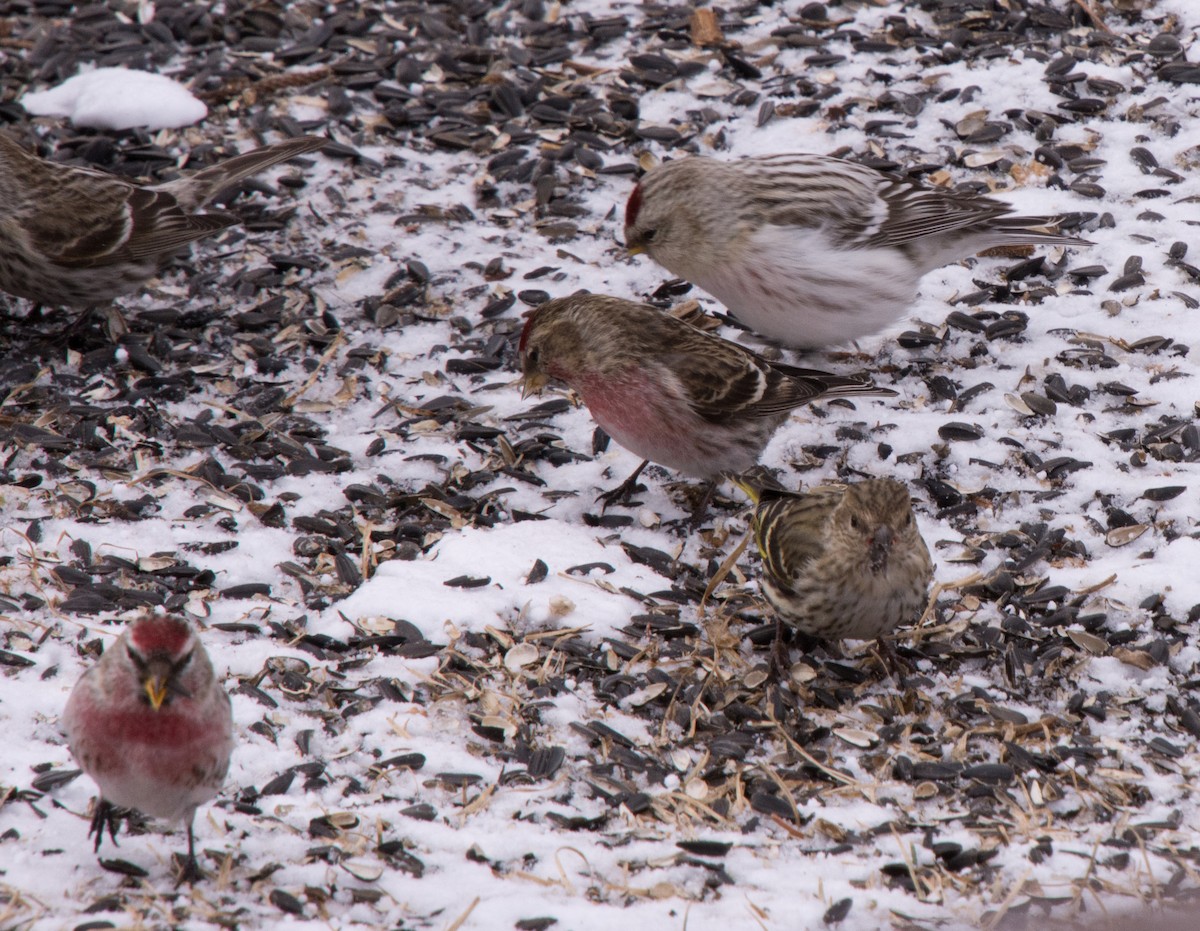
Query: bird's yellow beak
x=533 y=384
x=156 y=690
x=636 y=250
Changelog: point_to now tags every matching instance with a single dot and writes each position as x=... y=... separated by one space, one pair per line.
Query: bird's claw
x=105 y=815
x=189 y=870
x=622 y=494
x=779 y=663
x=891 y=661
x=700 y=510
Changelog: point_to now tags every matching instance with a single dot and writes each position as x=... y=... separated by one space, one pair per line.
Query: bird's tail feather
x=1036 y=231
x=836 y=386
x=758 y=482
x=199 y=188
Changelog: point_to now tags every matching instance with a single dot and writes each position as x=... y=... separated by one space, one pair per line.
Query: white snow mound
x=118 y=98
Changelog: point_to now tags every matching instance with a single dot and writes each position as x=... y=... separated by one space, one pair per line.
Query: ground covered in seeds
x=466 y=698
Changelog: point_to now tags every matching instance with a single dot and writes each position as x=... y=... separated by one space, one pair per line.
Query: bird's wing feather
x=788 y=529
x=118 y=222
x=161 y=226
x=174 y=233
x=914 y=212
x=817 y=192
x=724 y=381
x=862 y=208
x=721 y=380
x=81 y=220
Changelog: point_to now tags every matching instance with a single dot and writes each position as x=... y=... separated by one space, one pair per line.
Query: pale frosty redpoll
x=812 y=250
x=152 y=726
x=666 y=390
x=79 y=236
x=842 y=561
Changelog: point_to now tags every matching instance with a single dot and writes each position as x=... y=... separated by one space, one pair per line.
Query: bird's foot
x=779 y=663
x=105 y=816
x=697 y=500
x=189 y=870
x=891 y=661
x=623 y=493
x=700 y=511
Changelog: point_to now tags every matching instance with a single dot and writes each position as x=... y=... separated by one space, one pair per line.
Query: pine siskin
x=808 y=249
x=842 y=562
x=666 y=390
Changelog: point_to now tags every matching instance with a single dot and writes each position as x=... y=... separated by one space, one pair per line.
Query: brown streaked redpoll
x=666 y=390
x=152 y=726
x=79 y=236
x=812 y=250
x=841 y=561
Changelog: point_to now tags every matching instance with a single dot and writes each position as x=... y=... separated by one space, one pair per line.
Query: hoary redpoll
x=152 y=726
x=79 y=236
x=841 y=561
x=812 y=250
x=664 y=389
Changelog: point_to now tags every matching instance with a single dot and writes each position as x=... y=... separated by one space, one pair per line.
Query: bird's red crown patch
x=634 y=206
x=525 y=332
x=160 y=635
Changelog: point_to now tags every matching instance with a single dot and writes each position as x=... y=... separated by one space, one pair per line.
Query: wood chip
x=705 y=28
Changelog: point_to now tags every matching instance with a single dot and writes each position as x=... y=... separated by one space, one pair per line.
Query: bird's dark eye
x=908 y=519
x=855 y=522
x=534 y=357
x=182 y=663
x=648 y=236
x=137 y=661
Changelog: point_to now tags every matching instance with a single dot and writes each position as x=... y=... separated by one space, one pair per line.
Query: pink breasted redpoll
x=812 y=250
x=665 y=390
x=152 y=726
